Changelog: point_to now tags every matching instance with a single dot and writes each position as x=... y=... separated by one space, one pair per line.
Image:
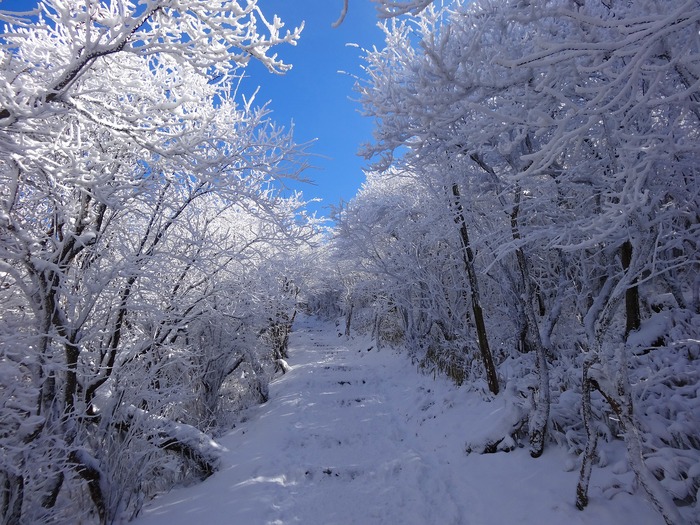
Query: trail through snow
x=352 y=435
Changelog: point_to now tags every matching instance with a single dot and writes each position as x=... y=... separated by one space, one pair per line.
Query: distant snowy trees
x=537 y=163
x=145 y=254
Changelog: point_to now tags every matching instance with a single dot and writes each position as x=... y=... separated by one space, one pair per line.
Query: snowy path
x=355 y=436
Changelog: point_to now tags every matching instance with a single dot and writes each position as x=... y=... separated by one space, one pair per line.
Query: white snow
x=355 y=435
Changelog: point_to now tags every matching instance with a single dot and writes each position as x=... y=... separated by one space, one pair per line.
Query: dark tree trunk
x=72 y=355
x=634 y=317
x=49 y=500
x=94 y=479
x=591 y=441
x=348 y=320
x=13 y=498
x=468 y=257
x=539 y=419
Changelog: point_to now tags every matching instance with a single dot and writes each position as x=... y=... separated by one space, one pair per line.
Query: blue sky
x=313 y=94
x=316 y=97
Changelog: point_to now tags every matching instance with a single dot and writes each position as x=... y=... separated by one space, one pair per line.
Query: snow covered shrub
x=448 y=359
x=665 y=382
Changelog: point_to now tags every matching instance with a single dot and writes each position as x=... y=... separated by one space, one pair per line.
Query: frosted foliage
x=388 y=8
x=137 y=211
x=562 y=138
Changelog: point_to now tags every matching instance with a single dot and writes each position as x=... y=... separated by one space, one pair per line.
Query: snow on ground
x=352 y=435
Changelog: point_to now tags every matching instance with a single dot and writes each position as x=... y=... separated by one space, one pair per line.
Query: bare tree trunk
x=468 y=257
x=49 y=500
x=539 y=419
x=591 y=441
x=348 y=320
x=632 y=294
x=95 y=483
x=13 y=498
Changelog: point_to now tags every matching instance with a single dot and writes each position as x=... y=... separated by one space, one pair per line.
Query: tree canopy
x=529 y=227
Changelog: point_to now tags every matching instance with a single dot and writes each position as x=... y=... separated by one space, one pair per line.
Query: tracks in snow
x=352 y=436
x=351 y=453
x=331 y=446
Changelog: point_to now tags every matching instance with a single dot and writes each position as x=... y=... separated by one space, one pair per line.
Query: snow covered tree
x=570 y=131
x=389 y=8
x=125 y=158
x=411 y=275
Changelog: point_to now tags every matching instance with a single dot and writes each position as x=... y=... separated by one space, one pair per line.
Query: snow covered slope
x=356 y=436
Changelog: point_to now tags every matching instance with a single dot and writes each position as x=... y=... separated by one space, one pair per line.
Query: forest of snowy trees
x=149 y=262
x=529 y=228
x=531 y=224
